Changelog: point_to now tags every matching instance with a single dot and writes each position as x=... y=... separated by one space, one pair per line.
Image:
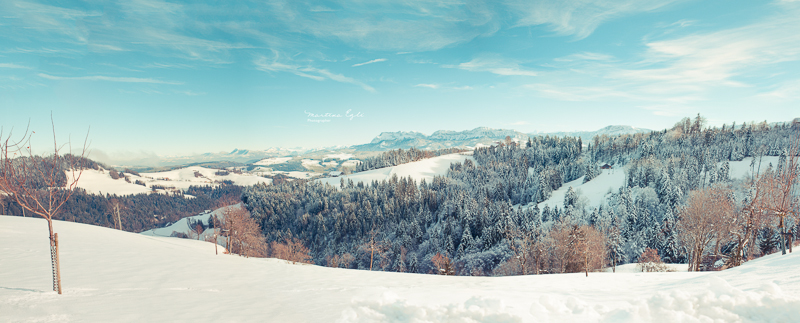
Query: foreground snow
x=116 y=276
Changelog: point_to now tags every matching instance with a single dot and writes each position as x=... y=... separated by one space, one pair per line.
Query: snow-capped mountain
x=475 y=137
x=399 y=135
x=441 y=139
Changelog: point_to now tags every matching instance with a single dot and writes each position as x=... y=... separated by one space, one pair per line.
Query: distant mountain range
x=468 y=139
x=475 y=137
x=440 y=139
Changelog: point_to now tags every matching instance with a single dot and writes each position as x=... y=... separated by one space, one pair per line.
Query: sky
x=167 y=78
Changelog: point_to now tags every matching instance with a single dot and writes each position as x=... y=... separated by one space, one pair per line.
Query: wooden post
x=58 y=266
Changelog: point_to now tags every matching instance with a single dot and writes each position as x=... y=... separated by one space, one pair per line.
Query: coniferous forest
x=482 y=218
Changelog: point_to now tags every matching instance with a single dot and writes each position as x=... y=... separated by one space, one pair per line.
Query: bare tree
x=744 y=225
x=116 y=208
x=40 y=184
x=292 y=249
x=562 y=248
x=374 y=245
x=244 y=233
x=780 y=199
x=590 y=247
x=649 y=261
x=443 y=264
x=702 y=219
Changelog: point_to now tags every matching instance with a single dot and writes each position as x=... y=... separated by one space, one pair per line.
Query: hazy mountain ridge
x=475 y=137
x=386 y=141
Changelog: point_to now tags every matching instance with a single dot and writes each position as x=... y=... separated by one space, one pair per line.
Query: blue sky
x=175 y=78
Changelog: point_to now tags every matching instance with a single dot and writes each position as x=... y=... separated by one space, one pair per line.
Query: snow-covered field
x=100 y=181
x=273 y=161
x=310 y=163
x=343 y=156
x=594 y=191
x=741 y=168
x=182 y=225
x=113 y=276
x=418 y=170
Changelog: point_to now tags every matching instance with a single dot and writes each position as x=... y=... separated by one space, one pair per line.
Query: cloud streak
x=494 y=64
x=318 y=74
x=578 y=18
x=370 y=62
x=107 y=79
x=673 y=73
x=12 y=65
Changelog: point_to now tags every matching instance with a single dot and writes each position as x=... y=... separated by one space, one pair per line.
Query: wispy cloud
x=370 y=62
x=674 y=73
x=12 y=65
x=493 y=64
x=107 y=79
x=787 y=91
x=319 y=74
x=190 y=93
x=585 y=56
x=579 y=17
x=444 y=87
x=408 y=26
x=105 y=48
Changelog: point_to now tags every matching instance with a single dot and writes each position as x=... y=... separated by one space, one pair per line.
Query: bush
x=649 y=261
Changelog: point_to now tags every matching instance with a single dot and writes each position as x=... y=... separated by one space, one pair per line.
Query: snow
x=100 y=181
x=342 y=156
x=740 y=169
x=631 y=268
x=309 y=163
x=351 y=163
x=112 y=276
x=418 y=170
x=184 y=177
x=272 y=161
x=593 y=191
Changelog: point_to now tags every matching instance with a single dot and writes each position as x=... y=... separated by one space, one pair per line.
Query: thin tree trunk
x=54 y=257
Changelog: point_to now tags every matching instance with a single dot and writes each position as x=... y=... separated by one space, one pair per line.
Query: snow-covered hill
x=101 y=182
x=114 y=276
x=418 y=170
x=594 y=191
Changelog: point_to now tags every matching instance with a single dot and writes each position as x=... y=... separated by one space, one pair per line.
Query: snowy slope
x=594 y=191
x=742 y=168
x=273 y=161
x=426 y=168
x=100 y=181
x=113 y=276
